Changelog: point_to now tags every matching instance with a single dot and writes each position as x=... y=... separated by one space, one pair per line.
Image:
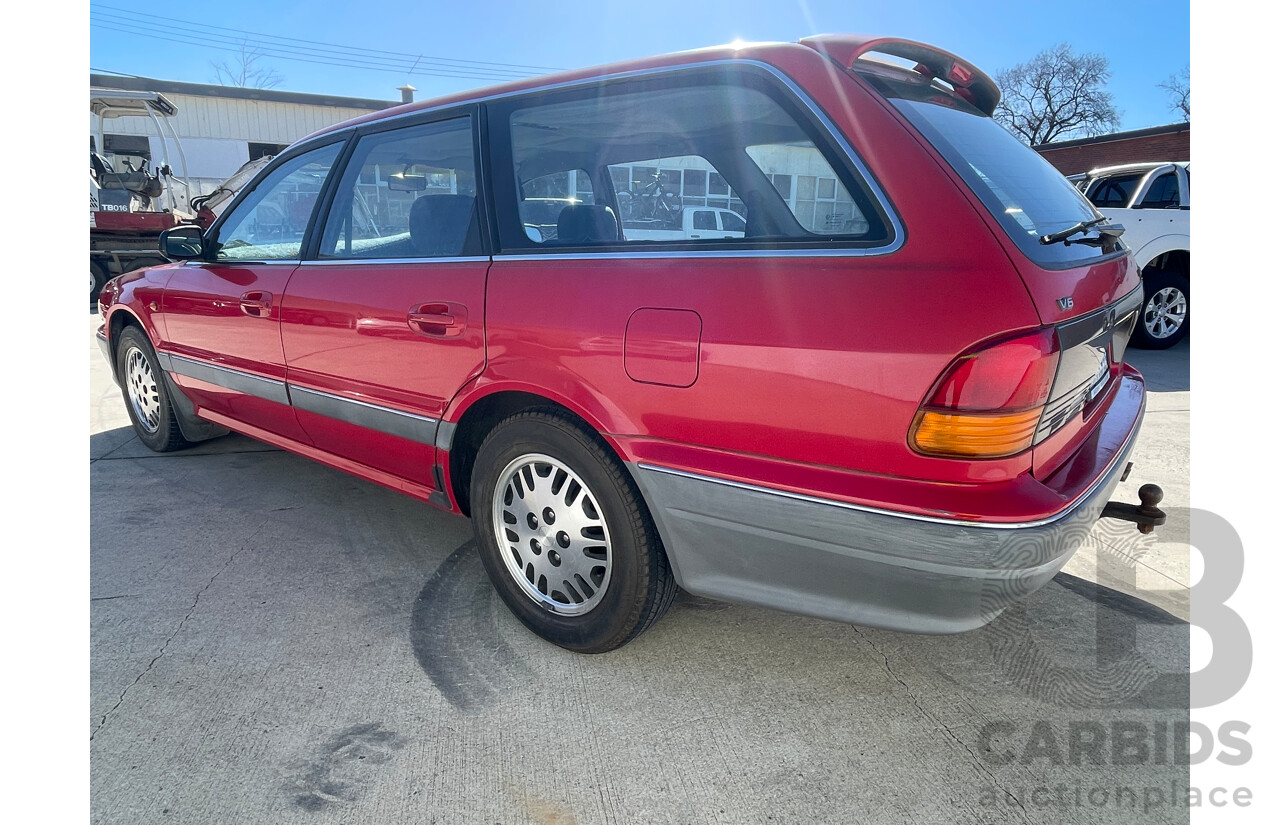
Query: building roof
x=1136 y=133
x=148 y=84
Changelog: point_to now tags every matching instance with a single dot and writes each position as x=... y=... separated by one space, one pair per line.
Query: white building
x=220 y=128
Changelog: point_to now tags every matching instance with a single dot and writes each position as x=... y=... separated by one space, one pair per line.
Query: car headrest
x=439 y=225
x=587 y=223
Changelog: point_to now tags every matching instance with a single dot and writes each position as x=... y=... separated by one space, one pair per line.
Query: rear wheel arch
x=564 y=533
x=484 y=413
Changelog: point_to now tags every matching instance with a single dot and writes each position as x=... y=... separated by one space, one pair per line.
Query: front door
x=221 y=317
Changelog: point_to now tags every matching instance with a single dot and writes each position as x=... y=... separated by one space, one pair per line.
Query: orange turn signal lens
x=975 y=435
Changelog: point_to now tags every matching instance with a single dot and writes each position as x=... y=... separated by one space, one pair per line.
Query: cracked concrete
x=164 y=646
x=973 y=757
x=276 y=642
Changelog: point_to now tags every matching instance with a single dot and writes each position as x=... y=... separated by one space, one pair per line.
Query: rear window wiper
x=1106 y=234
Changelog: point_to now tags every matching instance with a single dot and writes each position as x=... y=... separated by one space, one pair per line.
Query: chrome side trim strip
x=419 y=428
x=232 y=379
x=958 y=522
x=244 y=262
x=695 y=253
x=363 y=261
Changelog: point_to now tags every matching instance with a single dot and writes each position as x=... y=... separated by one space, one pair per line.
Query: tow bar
x=1146 y=515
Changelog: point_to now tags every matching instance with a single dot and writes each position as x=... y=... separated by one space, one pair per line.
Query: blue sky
x=465 y=45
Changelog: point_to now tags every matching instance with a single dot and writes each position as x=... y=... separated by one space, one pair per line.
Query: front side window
x=407 y=193
x=667 y=157
x=269 y=224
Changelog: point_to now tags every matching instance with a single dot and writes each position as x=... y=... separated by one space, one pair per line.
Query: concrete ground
x=275 y=642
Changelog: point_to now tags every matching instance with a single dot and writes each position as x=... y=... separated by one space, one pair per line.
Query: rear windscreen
x=1021 y=189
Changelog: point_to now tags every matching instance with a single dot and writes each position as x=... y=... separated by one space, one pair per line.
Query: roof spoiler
x=968 y=81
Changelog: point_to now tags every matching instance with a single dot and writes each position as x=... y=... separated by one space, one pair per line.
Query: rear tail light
x=988 y=403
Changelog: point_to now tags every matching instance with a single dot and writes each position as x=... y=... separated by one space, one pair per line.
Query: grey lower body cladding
x=868 y=567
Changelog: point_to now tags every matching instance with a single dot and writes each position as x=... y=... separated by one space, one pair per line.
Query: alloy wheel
x=552 y=534
x=144 y=395
x=1165 y=312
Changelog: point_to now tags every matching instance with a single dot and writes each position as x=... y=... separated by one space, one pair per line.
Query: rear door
x=385 y=321
x=222 y=316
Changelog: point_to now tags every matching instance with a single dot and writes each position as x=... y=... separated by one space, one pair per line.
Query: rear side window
x=407 y=193
x=708 y=157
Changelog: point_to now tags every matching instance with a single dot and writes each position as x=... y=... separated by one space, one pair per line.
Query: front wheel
x=145 y=394
x=1166 y=310
x=564 y=535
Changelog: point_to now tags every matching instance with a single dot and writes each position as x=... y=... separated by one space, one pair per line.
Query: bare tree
x=1179 y=88
x=1056 y=95
x=244 y=70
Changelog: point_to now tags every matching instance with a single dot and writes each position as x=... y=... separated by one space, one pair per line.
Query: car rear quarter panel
x=806 y=359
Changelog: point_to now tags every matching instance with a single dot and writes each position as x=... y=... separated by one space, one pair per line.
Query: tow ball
x=1146 y=515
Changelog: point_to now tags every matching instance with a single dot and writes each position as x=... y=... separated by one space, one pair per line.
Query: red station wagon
x=895 y=398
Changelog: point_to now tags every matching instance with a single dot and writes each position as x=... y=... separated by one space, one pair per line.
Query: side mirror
x=182 y=243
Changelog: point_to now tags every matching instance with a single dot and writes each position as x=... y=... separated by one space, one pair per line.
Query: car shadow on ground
x=1165 y=370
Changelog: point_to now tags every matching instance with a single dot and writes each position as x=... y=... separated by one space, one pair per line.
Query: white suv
x=1153 y=202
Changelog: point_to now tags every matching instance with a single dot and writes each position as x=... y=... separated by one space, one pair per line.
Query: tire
x=97 y=279
x=1166 y=310
x=145 y=395
x=537 y=473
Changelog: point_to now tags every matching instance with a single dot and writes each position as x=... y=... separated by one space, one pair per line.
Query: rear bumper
x=872 y=567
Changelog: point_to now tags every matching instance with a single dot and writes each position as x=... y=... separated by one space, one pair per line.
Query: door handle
x=433 y=319
x=442 y=319
x=256 y=304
